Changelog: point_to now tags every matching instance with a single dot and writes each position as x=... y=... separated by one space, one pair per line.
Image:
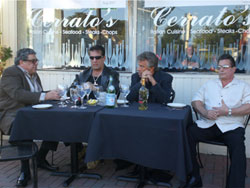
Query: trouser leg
x=235 y=142
x=44 y=149
x=25 y=167
x=196 y=134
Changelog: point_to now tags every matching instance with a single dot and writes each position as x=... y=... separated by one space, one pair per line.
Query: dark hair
x=97 y=48
x=229 y=57
x=23 y=54
x=150 y=57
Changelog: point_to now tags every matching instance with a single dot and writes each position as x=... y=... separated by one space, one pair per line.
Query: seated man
x=21 y=86
x=222 y=104
x=98 y=74
x=158 y=82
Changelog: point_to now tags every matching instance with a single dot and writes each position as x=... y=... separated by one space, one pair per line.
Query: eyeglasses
x=224 y=66
x=95 y=57
x=32 y=60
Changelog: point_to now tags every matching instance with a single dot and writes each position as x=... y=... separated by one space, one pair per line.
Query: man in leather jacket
x=98 y=73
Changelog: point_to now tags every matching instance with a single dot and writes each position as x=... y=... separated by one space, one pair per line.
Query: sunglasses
x=224 y=66
x=95 y=57
x=32 y=60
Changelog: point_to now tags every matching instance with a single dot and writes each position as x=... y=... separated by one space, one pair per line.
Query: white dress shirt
x=234 y=94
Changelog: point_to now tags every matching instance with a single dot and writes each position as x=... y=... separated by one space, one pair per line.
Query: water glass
x=74 y=96
x=124 y=93
x=87 y=88
x=62 y=89
x=82 y=92
x=102 y=98
x=96 y=91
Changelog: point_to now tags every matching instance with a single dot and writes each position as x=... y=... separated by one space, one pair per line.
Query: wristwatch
x=229 y=112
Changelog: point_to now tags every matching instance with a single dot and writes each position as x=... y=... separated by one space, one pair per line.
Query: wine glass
x=124 y=93
x=87 y=88
x=62 y=89
x=82 y=92
x=74 y=96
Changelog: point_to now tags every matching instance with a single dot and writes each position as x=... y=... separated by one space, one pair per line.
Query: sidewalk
x=213 y=174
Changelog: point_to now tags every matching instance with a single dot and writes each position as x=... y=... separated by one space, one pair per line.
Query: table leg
x=142 y=177
x=75 y=168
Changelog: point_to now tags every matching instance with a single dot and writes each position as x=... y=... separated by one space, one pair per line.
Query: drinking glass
x=87 y=88
x=62 y=89
x=96 y=92
x=74 y=96
x=124 y=93
x=82 y=92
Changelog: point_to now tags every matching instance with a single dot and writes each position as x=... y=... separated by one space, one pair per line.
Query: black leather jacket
x=84 y=76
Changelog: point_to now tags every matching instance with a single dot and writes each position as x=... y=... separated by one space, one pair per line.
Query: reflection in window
x=192 y=38
x=62 y=37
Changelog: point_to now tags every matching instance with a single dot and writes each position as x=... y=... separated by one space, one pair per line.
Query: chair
x=172 y=96
x=21 y=151
x=1 y=137
x=217 y=142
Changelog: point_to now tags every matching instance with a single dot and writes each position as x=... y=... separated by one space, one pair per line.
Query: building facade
x=188 y=37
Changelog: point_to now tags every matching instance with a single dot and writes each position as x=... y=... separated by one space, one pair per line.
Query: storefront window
x=62 y=33
x=192 y=35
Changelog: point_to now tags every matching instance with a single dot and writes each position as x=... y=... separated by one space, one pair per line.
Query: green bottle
x=110 y=95
x=143 y=96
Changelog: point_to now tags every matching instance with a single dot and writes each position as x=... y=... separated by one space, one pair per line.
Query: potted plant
x=5 y=54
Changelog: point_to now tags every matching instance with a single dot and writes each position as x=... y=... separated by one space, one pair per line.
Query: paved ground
x=213 y=174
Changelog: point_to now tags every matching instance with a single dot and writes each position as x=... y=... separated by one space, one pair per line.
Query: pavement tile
x=213 y=174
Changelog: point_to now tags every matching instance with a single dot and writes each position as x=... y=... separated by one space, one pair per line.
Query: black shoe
x=193 y=182
x=22 y=180
x=45 y=165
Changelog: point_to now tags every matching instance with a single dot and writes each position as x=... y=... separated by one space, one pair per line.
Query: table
x=56 y=124
x=153 y=138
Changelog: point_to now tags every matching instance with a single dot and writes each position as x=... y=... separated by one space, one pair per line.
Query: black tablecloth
x=54 y=124
x=153 y=138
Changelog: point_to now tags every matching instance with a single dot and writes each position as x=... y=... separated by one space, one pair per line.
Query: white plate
x=42 y=106
x=119 y=101
x=176 y=105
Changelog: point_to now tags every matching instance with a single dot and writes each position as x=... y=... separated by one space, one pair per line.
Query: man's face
x=189 y=50
x=29 y=64
x=142 y=66
x=226 y=71
x=97 y=60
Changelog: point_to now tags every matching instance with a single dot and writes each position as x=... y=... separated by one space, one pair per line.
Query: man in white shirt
x=222 y=104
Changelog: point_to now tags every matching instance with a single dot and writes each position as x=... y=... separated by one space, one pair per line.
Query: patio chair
x=21 y=151
x=217 y=142
x=172 y=96
x=1 y=137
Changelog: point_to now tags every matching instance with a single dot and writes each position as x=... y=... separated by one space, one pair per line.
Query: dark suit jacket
x=14 y=94
x=160 y=93
x=84 y=76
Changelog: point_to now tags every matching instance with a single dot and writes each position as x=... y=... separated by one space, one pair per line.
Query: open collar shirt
x=234 y=94
x=33 y=83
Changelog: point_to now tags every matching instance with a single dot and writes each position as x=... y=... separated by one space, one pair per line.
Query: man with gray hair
x=21 y=86
x=158 y=82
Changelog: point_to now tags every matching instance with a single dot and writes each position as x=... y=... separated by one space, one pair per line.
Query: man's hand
x=147 y=75
x=223 y=110
x=52 y=95
x=211 y=114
